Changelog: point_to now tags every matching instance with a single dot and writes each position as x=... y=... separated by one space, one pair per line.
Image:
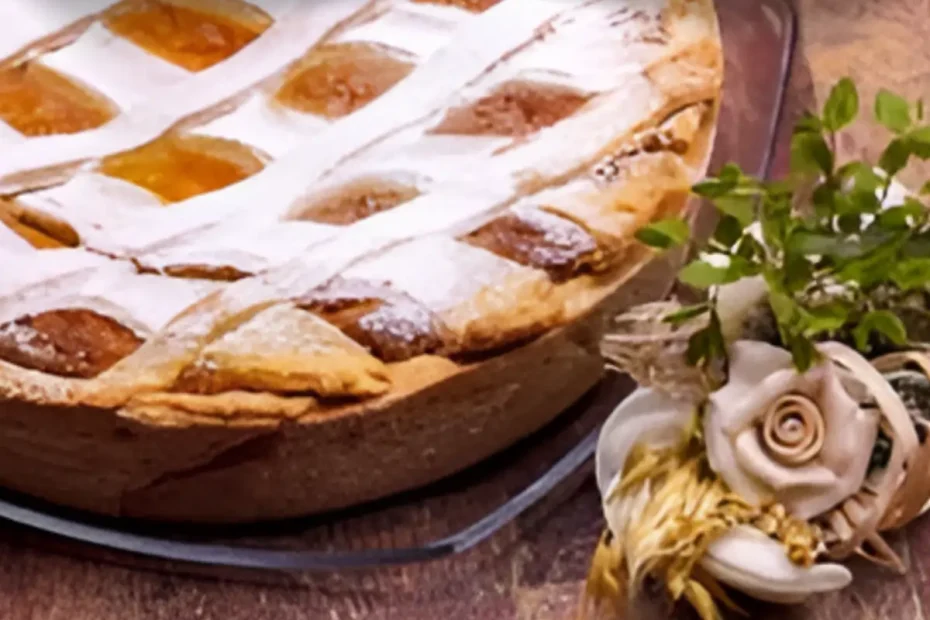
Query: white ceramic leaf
x=647 y=416
x=747 y=560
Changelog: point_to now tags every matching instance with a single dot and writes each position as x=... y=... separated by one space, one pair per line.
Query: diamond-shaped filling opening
x=542 y=240
x=391 y=325
x=67 y=343
x=513 y=110
x=354 y=202
x=337 y=79
x=194 y=35
x=38 y=101
x=475 y=6
x=176 y=167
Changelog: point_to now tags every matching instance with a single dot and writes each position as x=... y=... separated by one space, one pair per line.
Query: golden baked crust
x=400 y=276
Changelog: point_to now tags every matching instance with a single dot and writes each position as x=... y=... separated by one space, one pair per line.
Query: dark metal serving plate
x=465 y=510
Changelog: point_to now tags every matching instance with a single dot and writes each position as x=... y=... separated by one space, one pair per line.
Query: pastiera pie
x=267 y=258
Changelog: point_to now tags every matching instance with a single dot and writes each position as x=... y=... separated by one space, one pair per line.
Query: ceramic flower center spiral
x=793 y=430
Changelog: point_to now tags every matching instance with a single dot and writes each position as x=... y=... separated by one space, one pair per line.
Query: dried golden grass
x=666 y=511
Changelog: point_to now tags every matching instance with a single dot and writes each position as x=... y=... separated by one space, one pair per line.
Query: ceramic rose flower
x=743 y=558
x=775 y=435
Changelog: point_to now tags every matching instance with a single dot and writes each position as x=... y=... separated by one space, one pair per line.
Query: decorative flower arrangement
x=781 y=424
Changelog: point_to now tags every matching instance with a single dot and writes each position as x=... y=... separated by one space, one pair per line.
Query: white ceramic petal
x=748 y=561
x=758 y=372
x=736 y=301
x=647 y=416
x=754 y=361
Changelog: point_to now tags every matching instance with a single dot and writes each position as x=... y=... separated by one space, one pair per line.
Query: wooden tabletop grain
x=536 y=569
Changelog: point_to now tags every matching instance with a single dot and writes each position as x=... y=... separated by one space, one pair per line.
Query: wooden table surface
x=536 y=570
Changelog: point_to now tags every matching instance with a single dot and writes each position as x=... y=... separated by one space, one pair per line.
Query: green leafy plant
x=825 y=239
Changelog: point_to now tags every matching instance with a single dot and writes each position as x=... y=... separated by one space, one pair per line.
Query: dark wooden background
x=535 y=570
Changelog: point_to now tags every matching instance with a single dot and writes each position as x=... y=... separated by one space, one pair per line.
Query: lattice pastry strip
x=287 y=350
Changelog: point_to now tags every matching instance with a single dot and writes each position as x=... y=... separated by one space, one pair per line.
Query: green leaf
x=803 y=353
x=798 y=273
x=866 y=179
x=863 y=176
x=750 y=249
x=919 y=140
x=850 y=223
x=808 y=123
x=842 y=106
x=920 y=110
x=874 y=267
x=892 y=111
x=698 y=348
x=707 y=344
x=776 y=214
x=835 y=246
x=826 y=318
x=917 y=246
x=912 y=273
x=683 y=315
x=728 y=232
x=865 y=202
x=731 y=173
x=810 y=154
x=778 y=189
x=742 y=208
x=824 y=199
x=925 y=190
x=665 y=234
x=900 y=216
x=882 y=323
x=701 y=274
x=787 y=312
x=714 y=188
x=895 y=157
x=844 y=205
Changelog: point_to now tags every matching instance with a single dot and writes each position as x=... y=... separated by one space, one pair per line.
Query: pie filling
x=192 y=35
x=514 y=109
x=541 y=240
x=337 y=79
x=176 y=167
x=68 y=343
x=38 y=101
x=355 y=202
x=391 y=325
